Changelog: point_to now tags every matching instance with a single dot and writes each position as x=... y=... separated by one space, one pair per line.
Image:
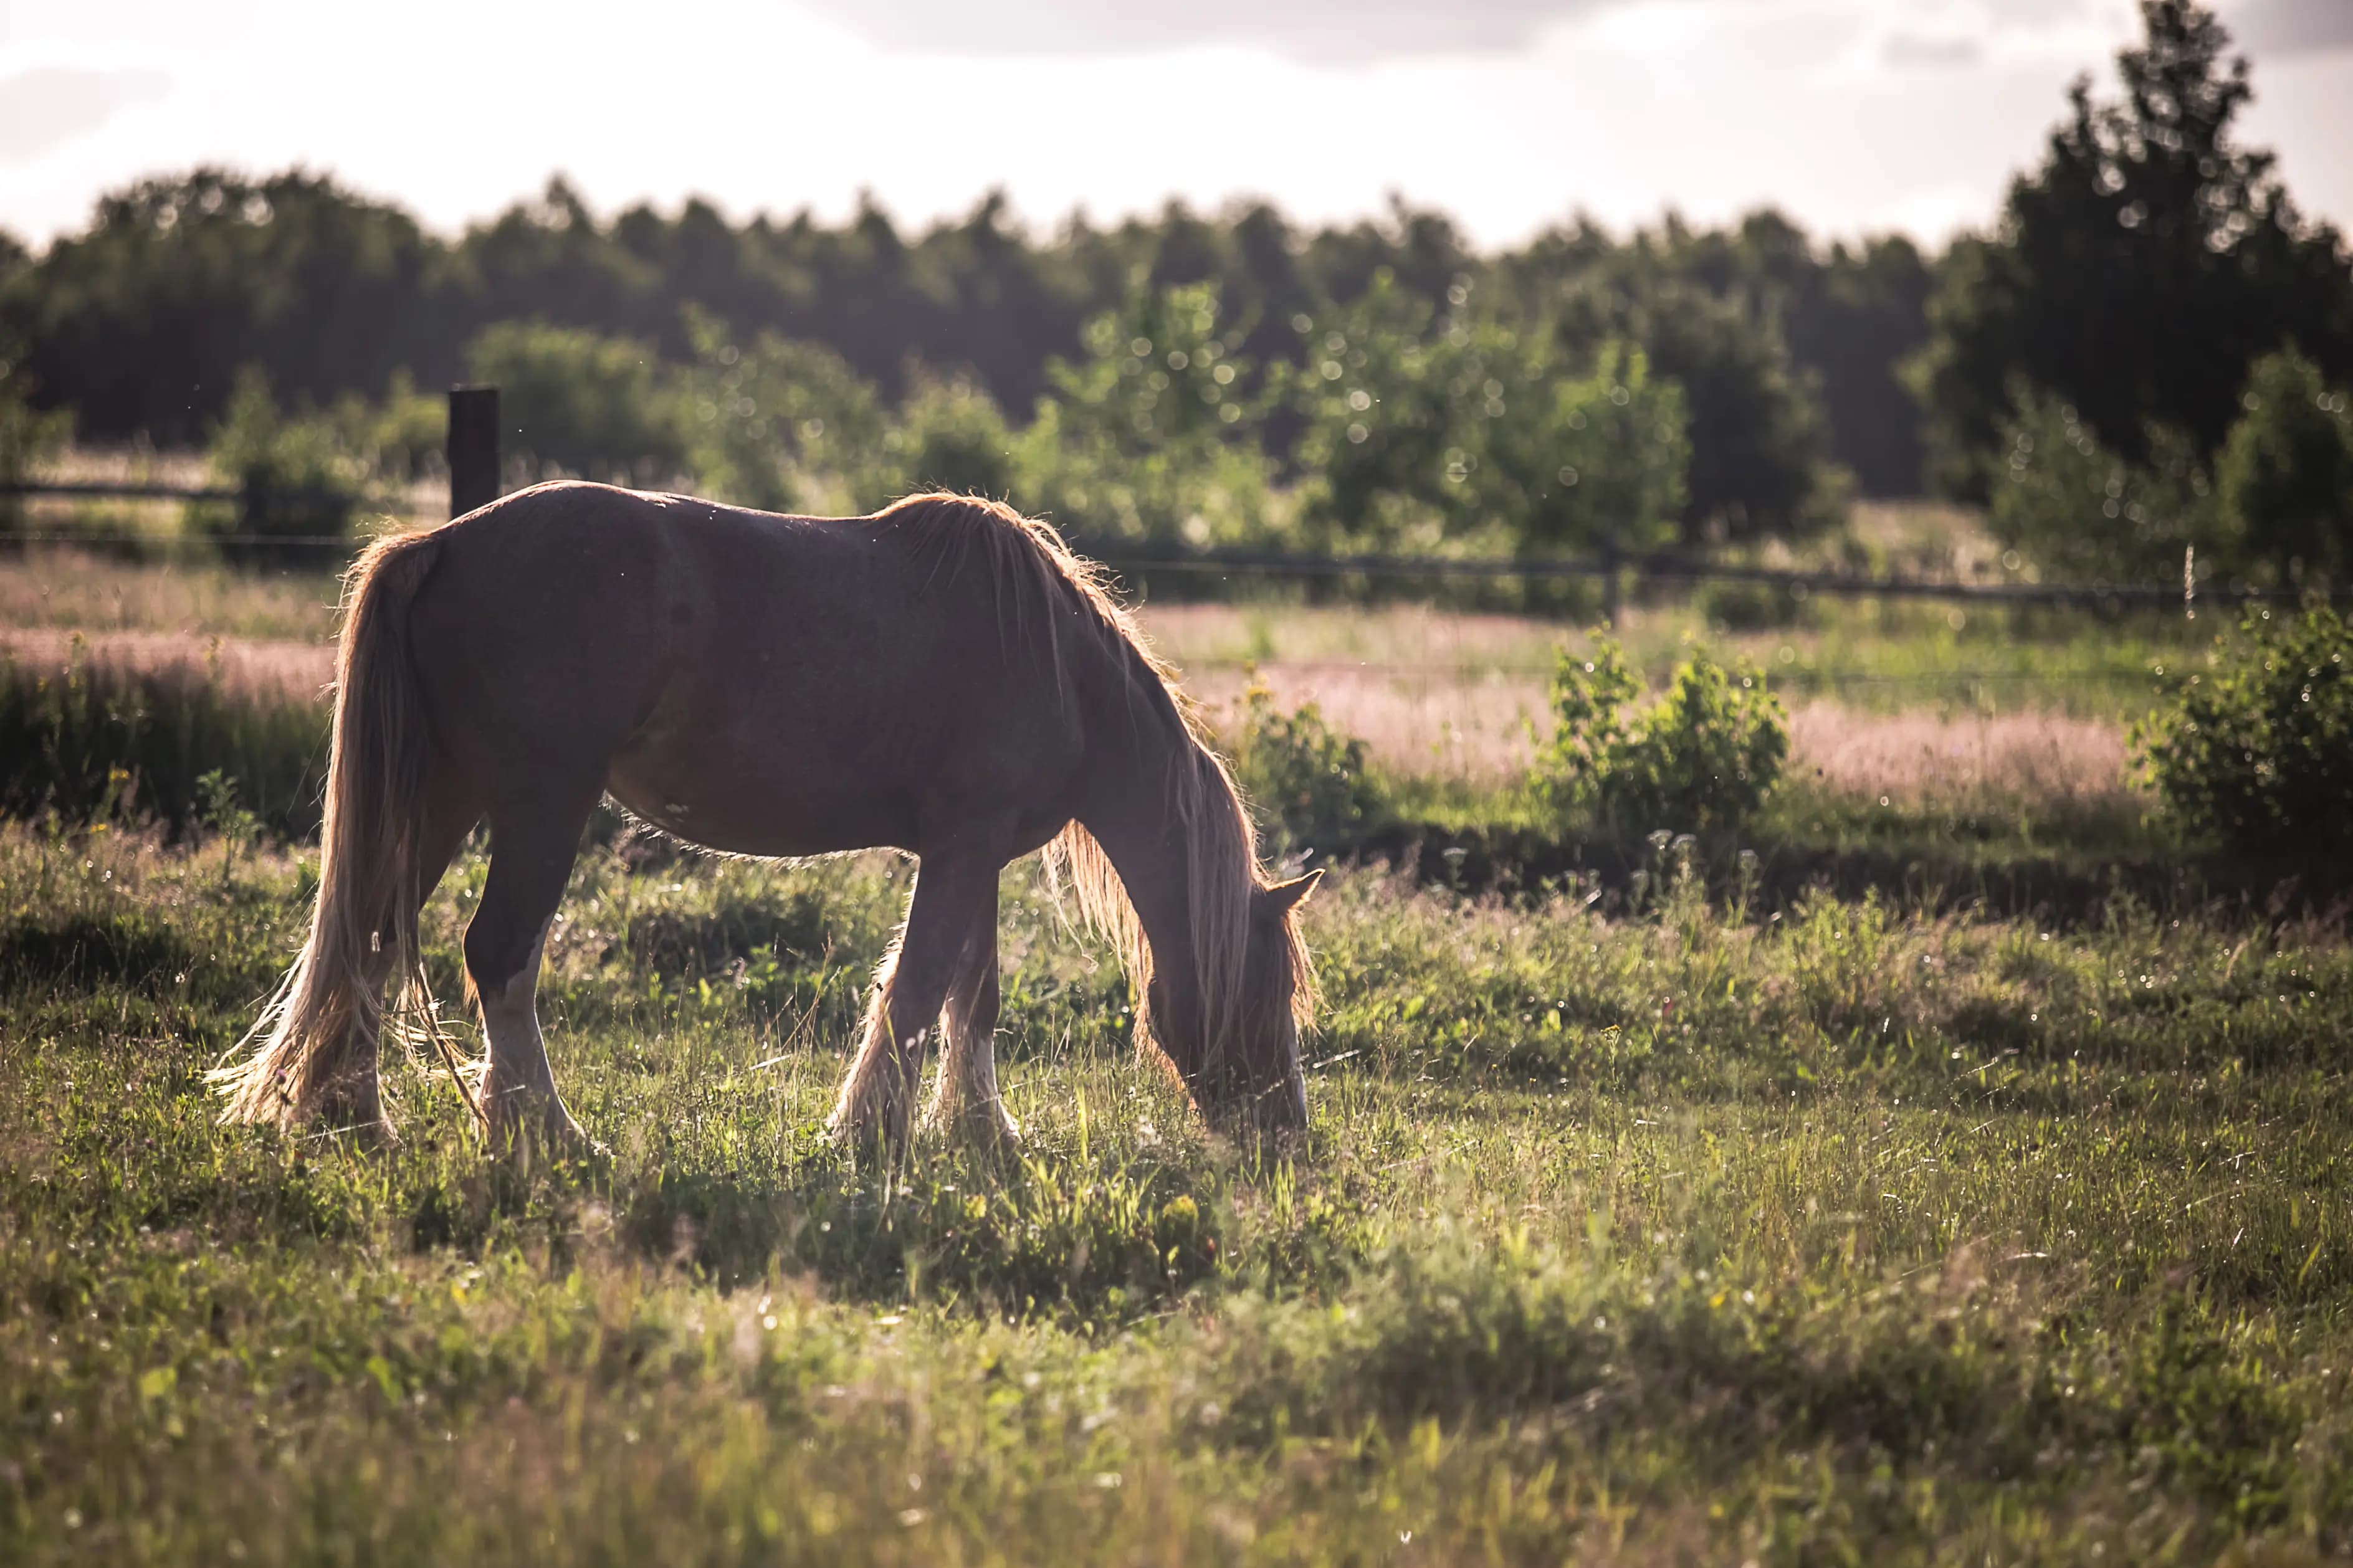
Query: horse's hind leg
x=534 y=838
x=953 y=892
x=966 y=1100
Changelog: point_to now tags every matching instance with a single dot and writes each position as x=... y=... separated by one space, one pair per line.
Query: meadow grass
x=1882 y=655
x=1666 y=1230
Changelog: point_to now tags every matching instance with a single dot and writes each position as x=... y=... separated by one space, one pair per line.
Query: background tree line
x=2144 y=353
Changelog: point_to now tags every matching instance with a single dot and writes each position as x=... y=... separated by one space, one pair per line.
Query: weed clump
x=1703 y=756
x=1309 y=787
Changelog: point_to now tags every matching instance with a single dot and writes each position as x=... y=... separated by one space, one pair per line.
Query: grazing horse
x=944 y=678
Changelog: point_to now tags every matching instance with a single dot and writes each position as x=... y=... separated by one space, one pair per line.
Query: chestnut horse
x=944 y=679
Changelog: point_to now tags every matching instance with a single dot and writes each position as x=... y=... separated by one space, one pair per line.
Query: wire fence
x=1637 y=575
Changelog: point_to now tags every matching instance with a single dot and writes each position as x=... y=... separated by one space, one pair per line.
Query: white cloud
x=1622 y=110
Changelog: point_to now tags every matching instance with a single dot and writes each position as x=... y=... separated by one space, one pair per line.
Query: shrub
x=1703 y=756
x=2259 y=755
x=1308 y=787
x=1752 y=606
x=400 y=440
x=298 y=474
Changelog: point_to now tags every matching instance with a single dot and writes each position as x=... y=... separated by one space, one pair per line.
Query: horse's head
x=1278 y=1001
x=1255 y=1071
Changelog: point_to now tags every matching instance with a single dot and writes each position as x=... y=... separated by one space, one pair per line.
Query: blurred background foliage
x=2147 y=351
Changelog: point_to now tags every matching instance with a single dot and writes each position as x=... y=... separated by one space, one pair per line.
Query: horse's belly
x=771 y=811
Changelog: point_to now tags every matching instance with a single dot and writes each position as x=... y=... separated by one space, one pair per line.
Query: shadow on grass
x=1092 y=1245
x=84 y=951
x=2064 y=878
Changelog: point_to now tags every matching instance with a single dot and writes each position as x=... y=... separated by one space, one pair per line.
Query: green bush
x=2259 y=754
x=1703 y=756
x=400 y=440
x=1308 y=787
x=1751 y=607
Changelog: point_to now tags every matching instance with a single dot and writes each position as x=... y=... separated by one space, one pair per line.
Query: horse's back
x=765 y=683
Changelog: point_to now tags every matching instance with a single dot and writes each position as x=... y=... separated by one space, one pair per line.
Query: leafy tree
x=28 y=436
x=1377 y=386
x=140 y=324
x=764 y=426
x=949 y=436
x=1157 y=374
x=2139 y=272
x=2286 y=471
x=1148 y=436
x=1851 y=322
x=1461 y=426
x=2086 y=512
x=1755 y=438
x=578 y=403
x=1580 y=463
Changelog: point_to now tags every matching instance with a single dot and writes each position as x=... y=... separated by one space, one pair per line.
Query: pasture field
x=1662 y=1232
x=1862 y=1201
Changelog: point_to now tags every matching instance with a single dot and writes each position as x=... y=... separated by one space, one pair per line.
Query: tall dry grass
x=70 y=589
x=1472 y=725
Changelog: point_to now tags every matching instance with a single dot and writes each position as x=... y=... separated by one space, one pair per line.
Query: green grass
x=1820 y=1232
x=1880 y=657
x=102 y=740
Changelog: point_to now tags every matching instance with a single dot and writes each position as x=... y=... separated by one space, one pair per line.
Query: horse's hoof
x=356 y=1121
x=870 y=1134
x=989 y=1129
x=530 y=1125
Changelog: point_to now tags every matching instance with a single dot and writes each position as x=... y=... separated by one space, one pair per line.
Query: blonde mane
x=1038 y=579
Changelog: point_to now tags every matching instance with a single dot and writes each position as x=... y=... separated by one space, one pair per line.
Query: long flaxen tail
x=313 y=1046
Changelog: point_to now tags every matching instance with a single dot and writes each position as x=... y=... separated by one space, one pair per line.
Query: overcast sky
x=1852 y=116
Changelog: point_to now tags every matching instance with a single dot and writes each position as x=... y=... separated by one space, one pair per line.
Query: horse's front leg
x=955 y=892
x=966 y=1101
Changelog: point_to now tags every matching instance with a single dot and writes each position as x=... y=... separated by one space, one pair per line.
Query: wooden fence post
x=1609 y=570
x=473 y=447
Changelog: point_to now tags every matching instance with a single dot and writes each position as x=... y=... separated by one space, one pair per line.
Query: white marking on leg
x=519 y=1073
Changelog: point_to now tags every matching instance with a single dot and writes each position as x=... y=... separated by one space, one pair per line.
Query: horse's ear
x=1285 y=897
